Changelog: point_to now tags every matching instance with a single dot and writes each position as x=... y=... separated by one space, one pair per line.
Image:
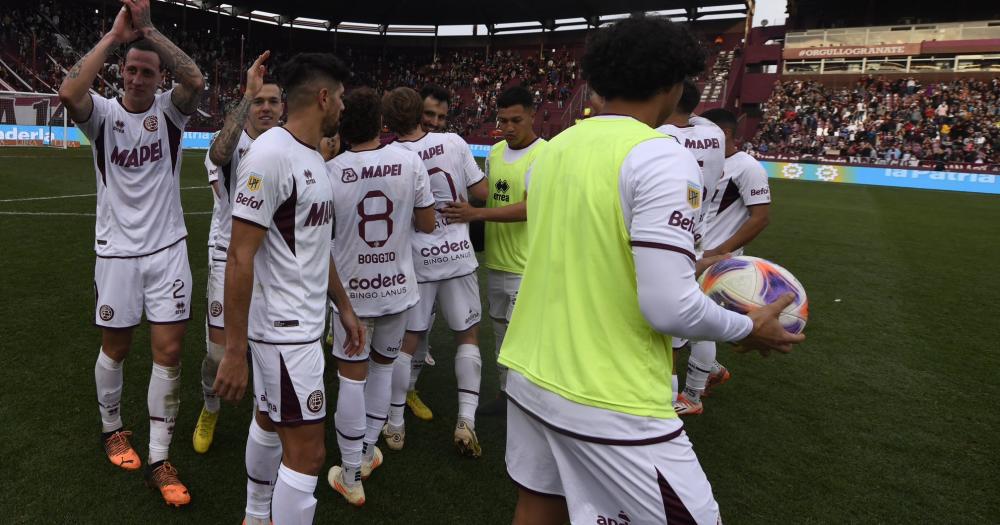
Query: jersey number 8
x=367 y=218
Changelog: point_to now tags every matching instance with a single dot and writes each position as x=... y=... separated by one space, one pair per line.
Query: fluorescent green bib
x=507 y=242
x=577 y=329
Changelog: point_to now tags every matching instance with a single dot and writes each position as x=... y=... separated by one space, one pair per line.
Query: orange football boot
x=163 y=476
x=120 y=451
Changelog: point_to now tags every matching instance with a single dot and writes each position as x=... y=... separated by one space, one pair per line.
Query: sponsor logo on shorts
x=473 y=317
x=180 y=307
x=254 y=181
x=620 y=519
x=106 y=312
x=315 y=401
x=215 y=309
x=348 y=175
x=151 y=123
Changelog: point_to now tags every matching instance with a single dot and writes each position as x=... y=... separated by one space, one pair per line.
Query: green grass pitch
x=882 y=416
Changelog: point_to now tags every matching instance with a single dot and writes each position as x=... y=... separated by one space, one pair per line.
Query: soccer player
x=142 y=262
x=705 y=141
x=380 y=193
x=256 y=113
x=435 y=114
x=505 y=214
x=279 y=253
x=445 y=266
x=610 y=271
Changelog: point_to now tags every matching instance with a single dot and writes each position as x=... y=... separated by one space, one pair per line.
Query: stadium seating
x=877 y=120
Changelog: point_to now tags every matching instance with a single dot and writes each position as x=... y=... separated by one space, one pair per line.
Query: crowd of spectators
x=63 y=31
x=876 y=119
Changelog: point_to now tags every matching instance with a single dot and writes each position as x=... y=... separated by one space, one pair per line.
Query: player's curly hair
x=638 y=57
x=297 y=75
x=402 y=109
x=361 y=120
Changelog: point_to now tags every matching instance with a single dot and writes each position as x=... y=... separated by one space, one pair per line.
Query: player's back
x=743 y=185
x=447 y=251
x=708 y=145
x=375 y=193
x=137 y=159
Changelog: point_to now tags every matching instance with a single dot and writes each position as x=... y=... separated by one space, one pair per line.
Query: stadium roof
x=548 y=14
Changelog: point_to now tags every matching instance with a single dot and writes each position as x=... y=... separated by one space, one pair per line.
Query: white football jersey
x=137 y=158
x=743 y=184
x=222 y=210
x=707 y=143
x=447 y=251
x=213 y=176
x=374 y=194
x=282 y=186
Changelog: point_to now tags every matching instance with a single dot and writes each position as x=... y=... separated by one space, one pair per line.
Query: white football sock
x=263 y=457
x=108 y=376
x=163 y=400
x=499 y=332
x=400 y=383
x=673 y=388
x=417 y=363
x=350 y=424
x=699 y=367
x=209 y=368
x=468 y=373
x=293 y=502
x=377 y=393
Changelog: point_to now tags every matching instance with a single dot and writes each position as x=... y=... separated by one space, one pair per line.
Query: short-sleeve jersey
x=375 y=193
x=213 y=177
x=222 y=211
x=137 y=159
x=447 y=251
x=743 y=184
x=282 y=186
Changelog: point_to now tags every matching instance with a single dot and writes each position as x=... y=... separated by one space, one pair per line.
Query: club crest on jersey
x=118 y=127
x=151 y=123
x=348 y=175
x=254 y=181
x=694 y=196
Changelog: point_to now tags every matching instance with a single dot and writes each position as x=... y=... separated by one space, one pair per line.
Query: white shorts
x=501 y=291
x=458 y=303
x=637 y=481
x=216 y=289
x=383 y=335
x=288 y=382
x=159 y=284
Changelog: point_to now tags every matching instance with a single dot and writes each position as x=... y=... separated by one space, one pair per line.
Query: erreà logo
x=502 y=186
x=348 y=175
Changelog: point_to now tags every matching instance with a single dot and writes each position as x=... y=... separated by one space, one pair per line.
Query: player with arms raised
x=280 y=254
x=257 y=112
x=380 y=193
x=445 y=266
x=140 y=241
x=505 y=213
x=589 y=433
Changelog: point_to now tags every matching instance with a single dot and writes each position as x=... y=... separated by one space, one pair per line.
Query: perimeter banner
x=850 y=51
x=896 y=177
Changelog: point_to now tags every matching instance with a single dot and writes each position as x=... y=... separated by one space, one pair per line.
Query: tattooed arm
x=225 y=143
x=75 y=89
x=192 y=83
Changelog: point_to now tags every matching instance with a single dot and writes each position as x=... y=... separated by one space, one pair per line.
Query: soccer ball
x=744 y=283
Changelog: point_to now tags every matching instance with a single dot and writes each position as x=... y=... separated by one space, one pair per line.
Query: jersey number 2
x=367 y=218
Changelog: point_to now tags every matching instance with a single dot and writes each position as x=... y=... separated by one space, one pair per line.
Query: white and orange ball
x=744 y=283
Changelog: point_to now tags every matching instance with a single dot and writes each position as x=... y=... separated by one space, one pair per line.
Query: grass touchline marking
x=23 y=199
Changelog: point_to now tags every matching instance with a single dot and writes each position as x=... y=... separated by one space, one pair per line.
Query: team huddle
x=320 y=227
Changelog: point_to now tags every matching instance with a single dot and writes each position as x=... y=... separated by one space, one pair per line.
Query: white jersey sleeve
x=470 y=169
x=743 y=185
x=752 y=180
x=263 y=182
x=660 y=205
x=100 y=111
